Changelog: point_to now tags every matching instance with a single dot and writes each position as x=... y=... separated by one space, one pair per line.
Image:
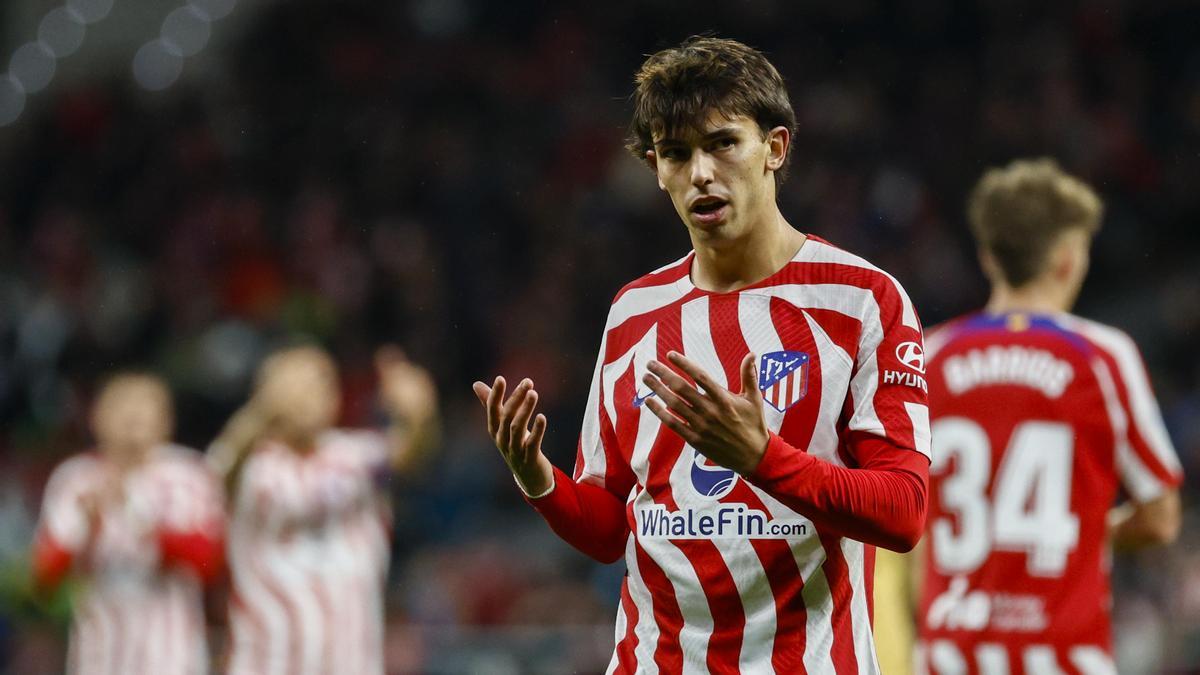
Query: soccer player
x=1040 y=419
x=756 y=424
x=308 y=535
x=139 y=520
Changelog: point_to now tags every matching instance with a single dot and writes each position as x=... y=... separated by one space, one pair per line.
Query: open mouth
x=707 y=205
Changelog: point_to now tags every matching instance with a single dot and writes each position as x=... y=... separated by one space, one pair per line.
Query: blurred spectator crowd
x=449 y=176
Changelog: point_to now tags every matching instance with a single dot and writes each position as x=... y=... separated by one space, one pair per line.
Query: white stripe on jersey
x=761 y=337
x=1092 y=661
x=638 y=301
x=619 y=633
x=826 y=253
x=864 y=641
x=125 y=616
x=595 y=463
x=1143 y=406
x=308 y=555
x=1142 y=484
x=646 y=628
x=758 y=600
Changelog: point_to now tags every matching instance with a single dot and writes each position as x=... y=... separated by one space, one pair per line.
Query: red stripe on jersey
x=783 y=573
x=626 y=661
x=665 y=608
x=793 y=330
x=1137 y=442
x=669 y=274
x=837 y=574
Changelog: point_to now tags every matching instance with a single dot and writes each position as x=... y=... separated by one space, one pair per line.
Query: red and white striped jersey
x=308 y=553
x=135 y=615
x=722 y=576
x=1038 y=422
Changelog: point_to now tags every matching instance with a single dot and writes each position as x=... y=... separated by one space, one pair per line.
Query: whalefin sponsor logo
x=723 y=521
x=783 y=378
x=710 y=479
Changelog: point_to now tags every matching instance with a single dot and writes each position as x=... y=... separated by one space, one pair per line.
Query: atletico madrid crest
x=783 y=378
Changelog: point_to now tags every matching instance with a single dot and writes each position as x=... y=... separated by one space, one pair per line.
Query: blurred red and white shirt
x=144 y=558
x=308 y=553
x=1038 y=422
x=723 y=576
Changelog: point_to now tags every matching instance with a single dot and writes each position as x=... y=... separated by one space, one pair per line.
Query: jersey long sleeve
x=587 y=517
x=882 y=503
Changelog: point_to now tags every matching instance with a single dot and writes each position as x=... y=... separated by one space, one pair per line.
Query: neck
x=1035 y=298
x=124 y=458
x=729 y=264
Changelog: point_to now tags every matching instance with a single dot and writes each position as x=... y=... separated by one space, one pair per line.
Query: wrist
x=538 y=480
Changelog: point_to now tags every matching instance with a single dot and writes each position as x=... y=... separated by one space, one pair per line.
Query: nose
x=701 y=169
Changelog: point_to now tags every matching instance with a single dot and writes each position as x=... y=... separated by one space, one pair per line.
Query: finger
x=519 y=426
x=697 y=373
x=505 y=432
x=482 y=391
x=493 y=406
x=677 y=384
x=533 y=443
x=681 y=407
x=750 y=387
x=670 y=421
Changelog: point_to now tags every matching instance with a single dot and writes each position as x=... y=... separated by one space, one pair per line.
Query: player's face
x=720 y=177
x=301 y=391
x=131 y=417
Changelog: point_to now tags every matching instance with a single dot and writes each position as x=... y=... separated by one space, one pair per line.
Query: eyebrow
x=714 y=134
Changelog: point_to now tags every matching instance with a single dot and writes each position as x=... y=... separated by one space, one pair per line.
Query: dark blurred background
x=184 y=186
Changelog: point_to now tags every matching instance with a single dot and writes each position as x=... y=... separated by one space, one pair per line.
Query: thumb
x=750 y=378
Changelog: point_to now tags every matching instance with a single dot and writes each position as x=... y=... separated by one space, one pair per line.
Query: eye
x=675 y=154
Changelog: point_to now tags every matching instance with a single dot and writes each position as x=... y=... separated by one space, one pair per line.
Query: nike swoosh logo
x=639 y=400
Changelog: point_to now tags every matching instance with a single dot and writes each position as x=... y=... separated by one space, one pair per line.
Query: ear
x=652 y=162
x=991 y=269
x=778 y=141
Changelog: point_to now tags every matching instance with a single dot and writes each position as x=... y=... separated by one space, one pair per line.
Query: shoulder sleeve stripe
x=1130 y=377
x=1141 y=482
x=826 y=253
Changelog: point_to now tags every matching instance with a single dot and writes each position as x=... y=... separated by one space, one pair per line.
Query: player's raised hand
x=407 y=390
x=518 y=442
x=727 y=428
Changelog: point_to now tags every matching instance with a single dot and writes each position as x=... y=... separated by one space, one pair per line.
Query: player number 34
x=1030 y=509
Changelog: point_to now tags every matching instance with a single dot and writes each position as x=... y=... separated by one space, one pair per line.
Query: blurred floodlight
x=33 y=65
x=61 y=31
x=156 y=65
x=90 y=11
x=186 y=28
x=12 y=100
x=214 y=9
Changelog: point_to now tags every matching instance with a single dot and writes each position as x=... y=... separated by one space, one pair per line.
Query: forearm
x=879 y=506
x=1154 y=523
x=201 y=552
x=51 y=563
x=587 y=517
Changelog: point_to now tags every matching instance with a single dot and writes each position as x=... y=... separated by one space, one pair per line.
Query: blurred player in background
x=1040 y=419
x=309 y=530
x=752 y=420
x=139 y=520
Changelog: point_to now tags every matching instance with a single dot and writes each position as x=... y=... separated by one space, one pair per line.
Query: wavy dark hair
x=678 y=88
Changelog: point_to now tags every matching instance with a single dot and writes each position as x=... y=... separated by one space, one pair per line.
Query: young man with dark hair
x=1040 y=418
x=756 y=423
